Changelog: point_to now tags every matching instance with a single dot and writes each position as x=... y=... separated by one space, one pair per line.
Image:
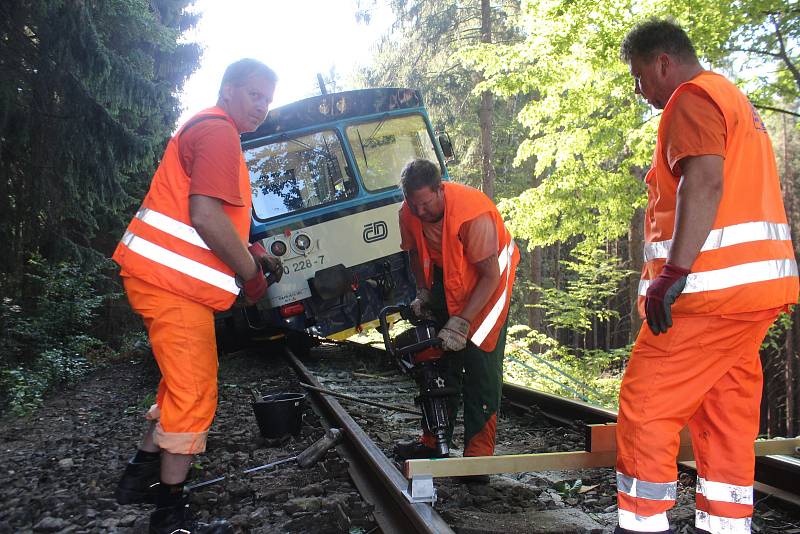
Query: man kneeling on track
x=464 y=261
x=719 y=268
x=183 y=256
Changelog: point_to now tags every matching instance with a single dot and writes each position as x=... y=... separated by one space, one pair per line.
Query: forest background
x=541 y=111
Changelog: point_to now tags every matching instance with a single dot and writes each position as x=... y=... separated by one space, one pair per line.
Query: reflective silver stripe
x=719 y=491
x=654 y=491
x=746 y=273
x=504 y=260
x=171 y=226
x=726 y=237
x=721 y=525
x=639 y=523
x=175 y=261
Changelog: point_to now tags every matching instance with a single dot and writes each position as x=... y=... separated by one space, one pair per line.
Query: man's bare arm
x=699 y=194
x=489 y=277
x=217 y=230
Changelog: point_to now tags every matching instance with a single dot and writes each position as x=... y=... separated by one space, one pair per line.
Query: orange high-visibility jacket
x=747 y=262
x=160 y=245
x=462 y=204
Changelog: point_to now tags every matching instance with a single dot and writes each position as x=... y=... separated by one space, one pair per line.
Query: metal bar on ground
x=385 y=406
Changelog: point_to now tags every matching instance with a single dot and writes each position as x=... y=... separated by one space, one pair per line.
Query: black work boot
x=178 y=519
x=139 y=482
x=415 y=450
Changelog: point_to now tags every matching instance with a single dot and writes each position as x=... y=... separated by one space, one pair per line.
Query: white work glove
x=421 y=305
x=454 y=333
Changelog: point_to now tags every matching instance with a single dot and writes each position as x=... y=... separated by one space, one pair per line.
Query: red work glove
x=661 y=295
x=255 y=287
x=269 y=264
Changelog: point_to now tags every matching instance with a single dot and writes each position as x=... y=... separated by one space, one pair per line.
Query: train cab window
x=298 y=173
x=383 y=147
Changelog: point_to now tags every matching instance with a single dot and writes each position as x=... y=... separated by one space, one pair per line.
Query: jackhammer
x=421 y=358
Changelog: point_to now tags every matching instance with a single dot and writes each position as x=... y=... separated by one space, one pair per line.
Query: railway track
x=579 y=500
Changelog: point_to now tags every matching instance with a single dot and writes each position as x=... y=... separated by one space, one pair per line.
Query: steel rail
x=393 y=512
x=772 y=472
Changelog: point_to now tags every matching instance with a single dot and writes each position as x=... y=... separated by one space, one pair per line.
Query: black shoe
x=179 y=520
x=139 y=483
x=415 y=450
x=473 y=479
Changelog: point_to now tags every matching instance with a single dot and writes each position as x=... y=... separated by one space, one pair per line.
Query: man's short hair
x=419 y=174
x=238 y=72
x=654 y=36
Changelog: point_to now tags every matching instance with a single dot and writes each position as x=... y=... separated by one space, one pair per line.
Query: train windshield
x=298 y=173
x=383 y=147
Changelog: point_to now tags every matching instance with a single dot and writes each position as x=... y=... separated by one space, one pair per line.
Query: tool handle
x=317 y=450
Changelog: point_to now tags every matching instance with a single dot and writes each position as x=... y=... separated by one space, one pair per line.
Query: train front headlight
x=302 y=242
x=278 y=248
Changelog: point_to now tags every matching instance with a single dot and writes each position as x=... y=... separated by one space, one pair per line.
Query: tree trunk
x=485 y=115
x=635 y=262
x=535 y=278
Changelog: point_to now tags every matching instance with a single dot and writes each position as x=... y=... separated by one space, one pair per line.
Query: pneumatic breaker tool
x=419 y=353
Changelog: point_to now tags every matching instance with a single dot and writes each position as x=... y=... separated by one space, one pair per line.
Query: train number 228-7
x=307 y=263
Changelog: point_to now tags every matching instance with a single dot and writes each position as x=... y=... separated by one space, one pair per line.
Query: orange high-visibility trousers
x=182 y=337
x=704 y=372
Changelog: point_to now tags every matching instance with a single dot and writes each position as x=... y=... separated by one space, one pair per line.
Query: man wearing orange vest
x=464 y=261
x=183 y=257
x=719 y=268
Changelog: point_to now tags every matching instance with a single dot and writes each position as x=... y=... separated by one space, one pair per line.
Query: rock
x=127 y=520
x=303 y=505
x=566 y=521
x=50 y=524
x=310 y=490
x=66 y=463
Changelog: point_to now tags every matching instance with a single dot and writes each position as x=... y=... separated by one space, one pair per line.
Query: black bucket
x=279 y=415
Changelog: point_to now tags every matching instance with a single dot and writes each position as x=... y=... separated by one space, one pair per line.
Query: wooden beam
x=602 y=454
x=510 y=463
x=603 y=438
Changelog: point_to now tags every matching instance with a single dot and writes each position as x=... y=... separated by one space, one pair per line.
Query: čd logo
x=375 y=231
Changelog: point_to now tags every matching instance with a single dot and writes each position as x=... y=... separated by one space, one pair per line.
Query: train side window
x=298 y=173
x=383 y=147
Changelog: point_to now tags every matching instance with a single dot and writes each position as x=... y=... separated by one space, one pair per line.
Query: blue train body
x=324 y=177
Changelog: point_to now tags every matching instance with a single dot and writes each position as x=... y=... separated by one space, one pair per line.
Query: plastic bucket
x=279 y=415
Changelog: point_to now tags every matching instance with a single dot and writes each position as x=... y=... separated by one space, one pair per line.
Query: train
x=324 y=176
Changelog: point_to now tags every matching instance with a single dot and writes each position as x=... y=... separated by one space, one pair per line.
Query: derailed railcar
x=324 y=173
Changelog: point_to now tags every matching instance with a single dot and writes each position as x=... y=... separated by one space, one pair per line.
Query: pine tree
x=87 y=100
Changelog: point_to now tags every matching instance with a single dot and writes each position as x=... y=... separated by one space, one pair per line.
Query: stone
x=127 y=520
x=565 y=521
x=303 y=505
x=66 y=463
x=50 y=524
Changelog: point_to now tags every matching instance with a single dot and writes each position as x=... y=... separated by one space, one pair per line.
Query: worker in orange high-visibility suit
x=719 y=268
x=183 y=256
x=464 y=261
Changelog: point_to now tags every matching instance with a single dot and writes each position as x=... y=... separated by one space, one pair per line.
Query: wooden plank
x=602 y=438
x=510 y=463
x=519 y=463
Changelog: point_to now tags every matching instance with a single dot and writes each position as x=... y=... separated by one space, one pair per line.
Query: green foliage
x=421 y=51
x=595 y=277
x=87 y=98
x=591 y=375
x=43 y=340
x=567 y=489
x=774 y=340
